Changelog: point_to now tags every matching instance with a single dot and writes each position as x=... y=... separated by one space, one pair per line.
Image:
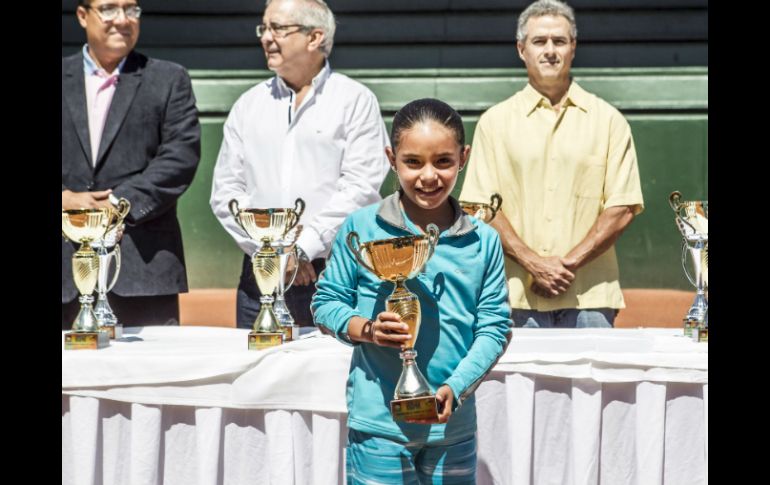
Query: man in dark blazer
x=129 y=130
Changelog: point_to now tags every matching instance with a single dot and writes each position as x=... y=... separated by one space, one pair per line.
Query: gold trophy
x=396 y=260
x=267 y=226
x=86 y=226
x=481 y=211
x=692 y=221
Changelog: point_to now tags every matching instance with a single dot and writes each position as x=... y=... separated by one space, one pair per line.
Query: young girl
x=464 y=302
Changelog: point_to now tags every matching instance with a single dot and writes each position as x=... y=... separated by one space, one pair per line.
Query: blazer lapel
x=128 y=82
x=75 y=94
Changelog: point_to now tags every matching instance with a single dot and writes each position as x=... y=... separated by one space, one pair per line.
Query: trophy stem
x=699 y=307
x=280 y=309
x=283 y=262
x=407 y=306
x=86 y=320
x=266 y=321
x=411 y=383
x=104 y=314
x=282 y=312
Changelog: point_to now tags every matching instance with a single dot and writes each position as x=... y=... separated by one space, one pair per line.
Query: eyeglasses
x=110 y=12
x=278 y=30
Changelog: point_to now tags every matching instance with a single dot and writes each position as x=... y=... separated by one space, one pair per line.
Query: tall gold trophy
x=267 y=226
x=86 y=226
x=692 y=220
x=396 y=260
x=481 y=211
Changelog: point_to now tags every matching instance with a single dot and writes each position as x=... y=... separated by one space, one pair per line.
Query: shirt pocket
x=589 y=177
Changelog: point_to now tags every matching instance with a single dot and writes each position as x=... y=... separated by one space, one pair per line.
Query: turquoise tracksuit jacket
x=465 y=318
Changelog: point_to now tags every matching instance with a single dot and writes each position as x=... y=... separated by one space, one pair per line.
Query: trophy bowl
x=271 y=224
x=482 y=211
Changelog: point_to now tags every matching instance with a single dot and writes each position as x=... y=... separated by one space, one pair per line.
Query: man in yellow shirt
x=565 y=164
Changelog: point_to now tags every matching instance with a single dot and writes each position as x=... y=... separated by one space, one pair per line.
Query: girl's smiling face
x=427 y=161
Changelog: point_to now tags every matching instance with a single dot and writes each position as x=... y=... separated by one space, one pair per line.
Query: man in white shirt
x=308 y=132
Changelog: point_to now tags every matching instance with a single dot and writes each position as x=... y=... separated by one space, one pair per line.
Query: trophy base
x=290 y=332
x=114 y=331
x=259 y=341
x=86 y=340
x=691 y=327
x=424 y=407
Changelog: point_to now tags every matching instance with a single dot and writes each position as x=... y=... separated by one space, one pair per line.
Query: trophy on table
x=482 y=211
x=396 y=260
x=86 y=226
x=692 y=221
x=266 y=226
x=286 y=248
x=108 y=250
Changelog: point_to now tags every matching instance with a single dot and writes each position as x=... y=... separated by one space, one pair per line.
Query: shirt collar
x=390 y=211
x=90 y=67
x=576 y=96
x=317 y=82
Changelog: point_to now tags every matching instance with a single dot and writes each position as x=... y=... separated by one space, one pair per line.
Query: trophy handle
x=432 y=240
x=674 y=200
x=296 y=268
x=299 y=208
x=684 y=263
x=233 y=206
x=116 y=256
x=123 y=208
x=495 y=203
x=354 y=245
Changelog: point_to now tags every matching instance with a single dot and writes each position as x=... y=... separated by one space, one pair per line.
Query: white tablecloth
x=191 y=405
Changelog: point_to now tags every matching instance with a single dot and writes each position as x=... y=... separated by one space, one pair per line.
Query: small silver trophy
x=692 y=221
x=285 y=247
x=108 y=250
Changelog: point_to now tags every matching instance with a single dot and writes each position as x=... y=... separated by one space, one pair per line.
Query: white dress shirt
x=330 y=151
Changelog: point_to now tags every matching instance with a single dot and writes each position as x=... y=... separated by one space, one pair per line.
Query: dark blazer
x=149 y=152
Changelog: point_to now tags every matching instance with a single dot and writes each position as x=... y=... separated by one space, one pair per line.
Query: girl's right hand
x=389 y=331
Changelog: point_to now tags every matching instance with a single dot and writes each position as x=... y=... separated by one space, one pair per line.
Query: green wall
x=667 y=110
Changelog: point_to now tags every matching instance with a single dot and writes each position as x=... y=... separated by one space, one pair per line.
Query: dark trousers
x=132 y=311
x=297 y=297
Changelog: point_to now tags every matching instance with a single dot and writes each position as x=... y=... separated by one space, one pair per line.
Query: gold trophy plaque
x=266 y=225
x=396 y=260
x=86 y=226
x=481 y=211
